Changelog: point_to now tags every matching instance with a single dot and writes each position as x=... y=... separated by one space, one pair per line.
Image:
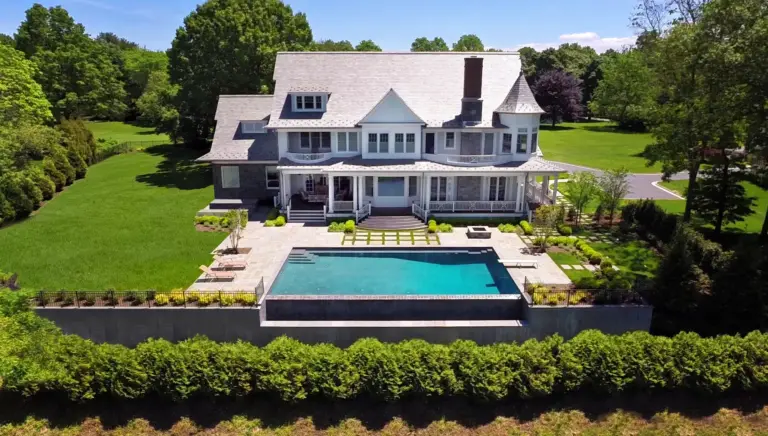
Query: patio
x=270 y=247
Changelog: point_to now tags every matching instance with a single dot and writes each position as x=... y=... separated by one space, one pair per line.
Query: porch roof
x=358 y=164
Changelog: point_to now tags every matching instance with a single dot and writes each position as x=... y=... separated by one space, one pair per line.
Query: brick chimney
x=472 y=103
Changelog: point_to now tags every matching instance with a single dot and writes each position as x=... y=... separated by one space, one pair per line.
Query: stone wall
x=471 y=143
x=253 y=183
x=469 y=188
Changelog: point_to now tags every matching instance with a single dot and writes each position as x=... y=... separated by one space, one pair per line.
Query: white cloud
x=590 y=39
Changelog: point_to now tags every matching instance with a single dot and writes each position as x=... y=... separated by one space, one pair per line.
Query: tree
x=7 y=40
x=614 y=185
x=424 y=44
x=76 y=73
x=367 y=45
x=545 y=220
x=559 y=94
x=120 y=43
x=237 y=220
x=22 y=100
x=156 y=104
x=469 y=43
x=720 y=197
x=528 y=58
x=650 y=16
x=138 y=66
x=582 y=189
x=229 y=47
x=626 y=92
x=330 y=45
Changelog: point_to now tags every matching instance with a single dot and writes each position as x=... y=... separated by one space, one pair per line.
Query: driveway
x=640 y=185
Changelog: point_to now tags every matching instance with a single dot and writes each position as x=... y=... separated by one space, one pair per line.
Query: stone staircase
x=307 y=216
x=301 y=256
x=400 y=222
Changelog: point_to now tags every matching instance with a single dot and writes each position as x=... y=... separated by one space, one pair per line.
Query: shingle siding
x=253 y=183
x=468 y=188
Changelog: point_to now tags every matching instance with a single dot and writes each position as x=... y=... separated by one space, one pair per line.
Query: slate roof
x=431 y=84
x=520 y=99
x=357 y=163
x=229 y=143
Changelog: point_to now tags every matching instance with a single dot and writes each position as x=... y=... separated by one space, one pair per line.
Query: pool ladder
x=301 y=256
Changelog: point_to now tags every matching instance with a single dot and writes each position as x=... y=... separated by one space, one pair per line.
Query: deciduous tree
x=367 y=45
x=424 y=44
x=626 y=92
x=559 y=94
x=582 y=189
x=331 y=45
x=469 y=43
x=614 y=186
x=22 y=100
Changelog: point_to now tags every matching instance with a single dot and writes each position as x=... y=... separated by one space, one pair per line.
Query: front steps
x=402 y=222
x=307 y=216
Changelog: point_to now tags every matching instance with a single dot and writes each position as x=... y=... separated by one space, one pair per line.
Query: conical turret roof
x=520 y=99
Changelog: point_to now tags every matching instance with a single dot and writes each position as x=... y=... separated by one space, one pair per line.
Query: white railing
x=308 y=157
x=343 y=206
x=472 y=159
x=535 y=193
x=288 y=211
x=419 y=211
x=363 y=212
x=472 y=206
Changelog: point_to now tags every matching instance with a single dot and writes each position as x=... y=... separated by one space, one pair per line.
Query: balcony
x=308 y=157
x=469 y=160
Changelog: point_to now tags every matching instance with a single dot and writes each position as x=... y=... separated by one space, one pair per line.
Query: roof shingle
x=229 y=143
x=520 y=99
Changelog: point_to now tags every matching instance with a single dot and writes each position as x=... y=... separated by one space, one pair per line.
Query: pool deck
x=270 y=247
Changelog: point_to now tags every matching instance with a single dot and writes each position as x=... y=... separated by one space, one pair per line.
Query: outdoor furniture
x=478 y=232
x=517 y=263
x=303 y=194
x=231 y=262
x=216 y=275
x=317 y=198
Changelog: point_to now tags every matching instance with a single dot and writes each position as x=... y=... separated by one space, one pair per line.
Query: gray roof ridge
x=519 y=95
x=245 y=95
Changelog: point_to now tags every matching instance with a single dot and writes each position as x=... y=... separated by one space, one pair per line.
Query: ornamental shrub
x=508 y=228
x=445 y=228
x=527 y=228
x=336 y=227
x=280 y=221
x=349 y=226
x=432 y=226
x=564 y=230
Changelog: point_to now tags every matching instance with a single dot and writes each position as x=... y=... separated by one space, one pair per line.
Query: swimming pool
x=393 y=272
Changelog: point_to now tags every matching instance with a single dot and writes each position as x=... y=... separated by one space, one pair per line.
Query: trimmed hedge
x=36 y=357
x=526 y=227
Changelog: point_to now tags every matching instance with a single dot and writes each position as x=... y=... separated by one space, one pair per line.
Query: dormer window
x=250 y=127
x=309 y=102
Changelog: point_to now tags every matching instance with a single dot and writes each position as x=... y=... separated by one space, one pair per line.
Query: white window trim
x=523 y=131
x=236 y=183
x=390 y=143
x=252 y=127
x=311 y=143
x=273 y=169
x=445 y=143
x=296 y=108
x=347 y=136
x=498 y=186
x=406 y=143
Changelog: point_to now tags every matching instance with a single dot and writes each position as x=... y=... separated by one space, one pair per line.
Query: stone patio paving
x=270 y=247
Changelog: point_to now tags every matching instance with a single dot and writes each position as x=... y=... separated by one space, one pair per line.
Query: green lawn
x=752 y=224
x=124 y=132
x=596 y=145
x=127 y=225
x=633 y=256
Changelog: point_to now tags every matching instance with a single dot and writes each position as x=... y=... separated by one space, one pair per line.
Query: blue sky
x=393 y=24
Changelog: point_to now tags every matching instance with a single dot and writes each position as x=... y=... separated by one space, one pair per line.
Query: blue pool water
x=406 y=272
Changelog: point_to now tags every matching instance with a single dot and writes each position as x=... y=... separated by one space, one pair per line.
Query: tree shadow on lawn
x=556 y=128
x=178 y=169
x=374 y=415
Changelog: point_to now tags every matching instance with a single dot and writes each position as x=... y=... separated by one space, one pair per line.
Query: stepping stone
x=565 y=266
x=615 y=268
x=590 y=267
x=578 y=267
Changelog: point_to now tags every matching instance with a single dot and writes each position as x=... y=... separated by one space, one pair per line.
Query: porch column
x=354 y=193
x=554 y=190
x=331 y=196
x=361 y=195
x=427 y=193
x=520 y=194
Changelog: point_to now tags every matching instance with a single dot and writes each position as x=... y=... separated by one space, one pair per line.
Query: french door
x=438 y=190
x=497 y=188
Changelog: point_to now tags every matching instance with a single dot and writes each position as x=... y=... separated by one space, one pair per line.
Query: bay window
x=522 y=140
x=230 y=177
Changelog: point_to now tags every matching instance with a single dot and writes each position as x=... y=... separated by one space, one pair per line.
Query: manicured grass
x=127 y=225
x=596 y=145
x=124 y=132
x=751 y=224
x=632 y=256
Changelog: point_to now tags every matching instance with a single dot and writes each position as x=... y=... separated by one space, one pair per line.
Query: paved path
x=640 y=185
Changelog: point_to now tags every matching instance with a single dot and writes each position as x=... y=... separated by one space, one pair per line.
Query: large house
x=353 y=134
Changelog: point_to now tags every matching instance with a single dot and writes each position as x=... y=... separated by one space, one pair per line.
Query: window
x=341 y=141
x=413 y=186
x=391 y=186
x=369 y=186
x=309 y=184
x=534 y=140
x=308 y=103
x=373 y=143
x=497 y=189
x=383 y=142
x=273 y=178
x=230 y=177
x=522 y=140
x=325 y=139
x=438 y=189
x=506 y=144
x=251 y=127
x=450 y=140
x=410 y=143
x=399 y=143
x=488 y=147
x=315 y=140
x=305 y=140
x=352 y=137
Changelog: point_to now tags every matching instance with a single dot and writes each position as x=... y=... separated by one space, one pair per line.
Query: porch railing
x=535 y=193
x=363 y=212
x=343 y=206
x=471 y=159
x=308 y=157
x=288 y=211
x=472 y=206
x=419 y=211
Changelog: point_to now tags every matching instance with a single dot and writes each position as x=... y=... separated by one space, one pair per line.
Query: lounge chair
x=231 y=262
x=215 y=275
x=517 y=263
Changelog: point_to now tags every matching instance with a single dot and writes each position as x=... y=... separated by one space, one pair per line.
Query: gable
x=391 y=109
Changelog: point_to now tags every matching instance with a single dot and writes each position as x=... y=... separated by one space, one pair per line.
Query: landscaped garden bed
x=175 y=298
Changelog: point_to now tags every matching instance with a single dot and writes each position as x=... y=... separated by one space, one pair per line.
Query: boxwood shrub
x=35 y=357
